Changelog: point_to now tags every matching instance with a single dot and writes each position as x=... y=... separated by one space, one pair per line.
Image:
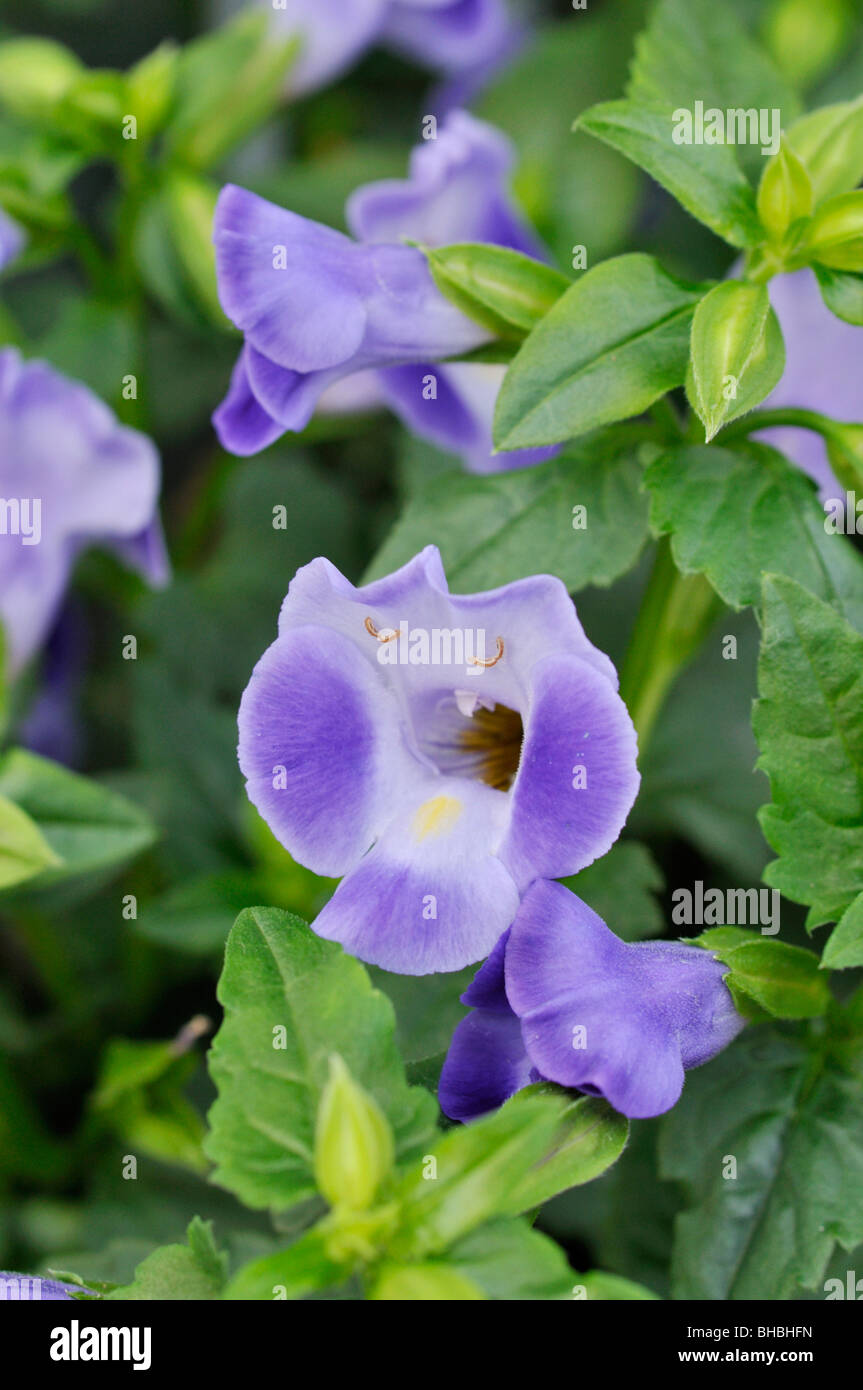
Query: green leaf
x=491 y=529
x=705 y=179
x=784 y=193
x=698 y=48
x=24 y=851
x=734 y=513
x=478 y=1167
x=737 y=353
x=279 y=976
x=830 y=143
x=139 y=1095
x=88 y=828
x=510 y=1261
x=621 y=888
x=845 y=946
x=781 y=980
x=590 y=1138
x=197 y=1270
x=791 y=1118
x=227 y=84
x=616 y=341
x=504 y=290
x=809 y=725
x=604 y=1287
x=305 y=1267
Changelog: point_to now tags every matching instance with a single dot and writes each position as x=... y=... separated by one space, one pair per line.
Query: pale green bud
x=427 y=1283
x=353 y=1142
x=34 y=75
x=785 y=192
x=835 y=235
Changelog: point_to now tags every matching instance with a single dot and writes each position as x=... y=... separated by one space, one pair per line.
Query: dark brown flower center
x=494 y=738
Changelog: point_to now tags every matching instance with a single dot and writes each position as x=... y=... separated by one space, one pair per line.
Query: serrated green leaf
x=616 y=341
x=705 y=179
x=734 y=513
x=491 y=529
x=737 y=355
x=279 y=975
x=504 y=290
x=196 y=1270
x=809 y=725
x=792 y=1119
x=844 y=948
x=834 y=237
x=303 y=1268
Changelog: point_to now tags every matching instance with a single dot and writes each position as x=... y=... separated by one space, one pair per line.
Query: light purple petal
x=430 y=896
x=12 y=240
x=30 y=1288
x=455 y=35
x=334 y=35
x=243 y=425
x=577 y=778
x=822 y=372
x=92 y=481
x=457 y=190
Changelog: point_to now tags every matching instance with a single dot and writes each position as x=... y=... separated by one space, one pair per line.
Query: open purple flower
x=70 y=476
x=438 y=751
x=318 y=310
x=562 y=999
x=822 y=372
x=456 y=37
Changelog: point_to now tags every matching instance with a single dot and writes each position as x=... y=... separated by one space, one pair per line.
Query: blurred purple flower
x=30 y=1288
x=439 y=771
x=343 y=307
x=70 y=476
x=464 y=39
x=822 y=372
x=562 y=999
x=12 y=239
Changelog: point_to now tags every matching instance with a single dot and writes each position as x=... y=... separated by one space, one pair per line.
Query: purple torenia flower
x=822 y=372
x=30 y=1288
x=562 y=999
x=317 y=308
x=457 y=37
x=11 y=239
x=438 y=751
x=70 y=476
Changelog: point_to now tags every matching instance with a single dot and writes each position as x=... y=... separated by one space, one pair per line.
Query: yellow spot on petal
x=436 y=817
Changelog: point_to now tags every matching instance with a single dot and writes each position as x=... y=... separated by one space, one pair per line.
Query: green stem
x=767 y=419
x=676 y=613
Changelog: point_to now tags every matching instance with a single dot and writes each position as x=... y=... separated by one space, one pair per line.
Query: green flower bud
x=785 y=193
x=835 y=235
x=34 y=75
x=427 y=1283
x=353 y=1142
x=191 y=204
x=150 y=89
x=845 y=452
x=830 y=143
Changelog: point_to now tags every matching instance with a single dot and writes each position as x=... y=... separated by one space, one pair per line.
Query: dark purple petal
x=486 y=1064
x=620 y=1020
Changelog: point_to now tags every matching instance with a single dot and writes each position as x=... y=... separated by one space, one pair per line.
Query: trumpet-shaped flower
x=319 y=311
x=562 y=999
x=460 y=38
x=438 y=752
x=70 y=477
